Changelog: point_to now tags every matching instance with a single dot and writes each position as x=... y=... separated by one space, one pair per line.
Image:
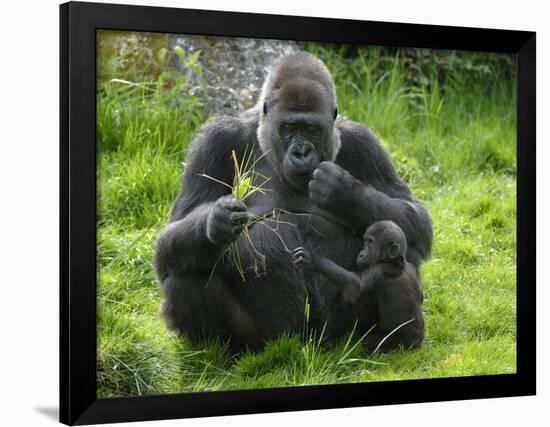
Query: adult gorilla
x=329 y=180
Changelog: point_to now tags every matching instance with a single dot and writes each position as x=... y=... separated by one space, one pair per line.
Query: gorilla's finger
x=298 y=249
x=299 y=252
x=314 y=186
x=237 y=230
x=321 y=190
x=326 y=165
x=319 y=174
x=225 y=230
x=240 y=217
x=234 y=205
x=317 y=195
x=330 y=168
x=314 y=197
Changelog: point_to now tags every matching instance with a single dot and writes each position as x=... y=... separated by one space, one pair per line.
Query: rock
x=233 y=68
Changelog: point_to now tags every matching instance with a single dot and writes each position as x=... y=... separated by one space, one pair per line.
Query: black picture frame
x=78 y=25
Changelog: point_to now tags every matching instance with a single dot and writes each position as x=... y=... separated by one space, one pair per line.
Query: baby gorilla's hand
x=304 y=259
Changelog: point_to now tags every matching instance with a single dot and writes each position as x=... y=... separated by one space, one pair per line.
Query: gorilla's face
x=297 y=126
x=303 y=137
x=383 y=241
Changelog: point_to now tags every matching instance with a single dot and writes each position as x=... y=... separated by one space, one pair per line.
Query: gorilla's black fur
x=329 y=179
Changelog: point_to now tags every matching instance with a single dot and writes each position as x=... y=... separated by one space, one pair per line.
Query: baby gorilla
x=384 y=270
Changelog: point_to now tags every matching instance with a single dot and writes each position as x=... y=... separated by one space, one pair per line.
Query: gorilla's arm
x=363 y=187
x=352 y=284
x=204 y=217
x=339 y=276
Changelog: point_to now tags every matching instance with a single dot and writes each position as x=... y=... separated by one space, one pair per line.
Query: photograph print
x=276 y=213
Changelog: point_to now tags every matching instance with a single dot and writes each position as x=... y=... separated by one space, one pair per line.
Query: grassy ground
x=453 y=142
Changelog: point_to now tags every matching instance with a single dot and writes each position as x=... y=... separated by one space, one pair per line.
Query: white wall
x=29 y=208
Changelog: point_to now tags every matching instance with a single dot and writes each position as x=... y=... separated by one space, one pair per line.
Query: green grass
x=452 y=140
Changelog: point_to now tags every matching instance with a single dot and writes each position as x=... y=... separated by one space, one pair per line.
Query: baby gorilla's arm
x=352 y=284
x=349 y=282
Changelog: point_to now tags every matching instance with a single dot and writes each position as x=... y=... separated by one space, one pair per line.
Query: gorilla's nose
x=362 y=255
x=302 y=155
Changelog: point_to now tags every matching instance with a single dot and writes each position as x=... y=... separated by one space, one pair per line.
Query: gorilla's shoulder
x=355 y=135
x=218 y=137
x=359 y=146
x=223 y=130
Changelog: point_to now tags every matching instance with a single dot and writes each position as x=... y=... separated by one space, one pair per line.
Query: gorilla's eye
x=313 y=131
x=288 y=128
x=370 y=241
x=265 y=108
x=335 y=113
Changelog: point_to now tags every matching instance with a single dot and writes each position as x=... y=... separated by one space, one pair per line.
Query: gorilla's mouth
x=298 y=174
x=294 y=170
x=305 y=174
x=362 y=265
x=302 y=177
x=298 y=179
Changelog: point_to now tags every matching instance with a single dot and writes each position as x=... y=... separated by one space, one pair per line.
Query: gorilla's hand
x=332 y=188
x=304 y=259
x=226 y=220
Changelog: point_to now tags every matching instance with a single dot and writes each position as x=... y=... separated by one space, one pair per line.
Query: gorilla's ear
x=265 y=108
x=393 y=251
x=335 y=113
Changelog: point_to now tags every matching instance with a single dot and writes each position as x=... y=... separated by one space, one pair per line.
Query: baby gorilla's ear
x=393 y=251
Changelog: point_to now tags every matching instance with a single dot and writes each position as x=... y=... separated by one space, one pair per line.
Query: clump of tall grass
x=144 y=104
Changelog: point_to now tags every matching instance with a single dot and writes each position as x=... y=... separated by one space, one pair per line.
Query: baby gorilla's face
x=384 y=241
x=369 y=254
